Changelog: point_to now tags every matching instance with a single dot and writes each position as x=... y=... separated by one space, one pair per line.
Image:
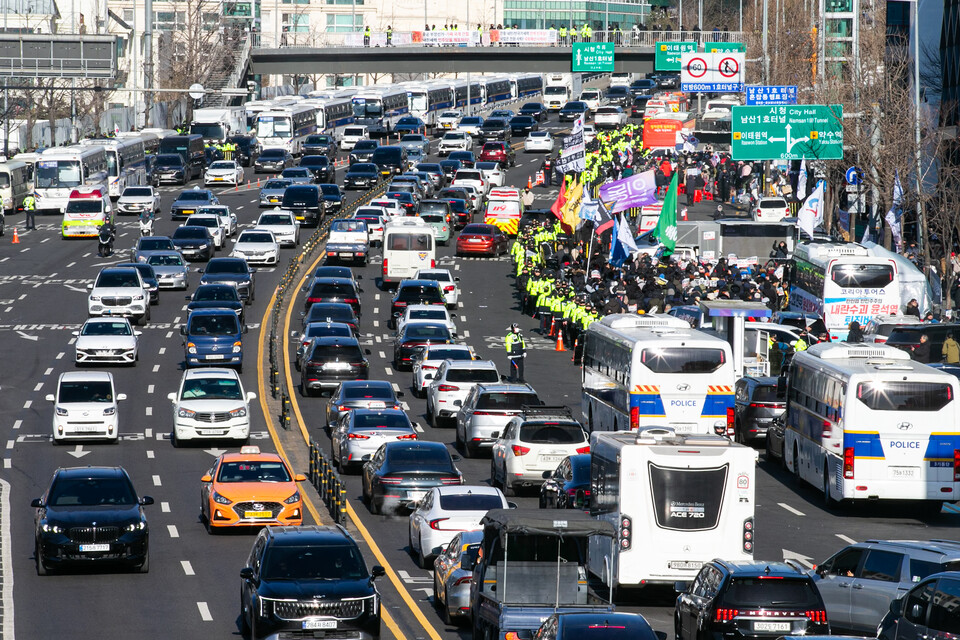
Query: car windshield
x=226 y=266
x=318 y=330
x=137 y=192
x=541 y=433
x=415 y=292
x=253 y=471
x=318 y=139
x=106 y=328
x=168 y=160
x=275 y=219
x=254 y=236
x=277 y=184
x=313 y=562
x=118 y=279
x=193 y=196
x=361 y=392
x=449 y=354
x=191 y=233
x=337 y=352
x=762 y=592
x=218 y=325
x=296 y=173
x=329 y=313
x=356 y=226
x=165 y=260
x=216 y=293
x=427 y=314
x=470 y=502
x=272 y=154
x=364 y=420
x=72 y=391
x=202 y=388
x=204 y=221
x=91 y=492
x=327 y=289
x=330 y=189
x=366 y=145
x=419 y=458
x=223 y=164
x=472 y=375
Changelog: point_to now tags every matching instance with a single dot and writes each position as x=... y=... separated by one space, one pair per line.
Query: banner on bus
x=547 y=37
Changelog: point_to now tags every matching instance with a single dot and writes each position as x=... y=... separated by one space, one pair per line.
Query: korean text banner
x=638 y=190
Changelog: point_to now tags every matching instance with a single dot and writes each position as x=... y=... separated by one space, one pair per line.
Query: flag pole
x=593 y=229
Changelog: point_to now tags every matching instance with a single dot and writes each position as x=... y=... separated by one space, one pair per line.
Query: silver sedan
x=361 y=432
x=171 y=269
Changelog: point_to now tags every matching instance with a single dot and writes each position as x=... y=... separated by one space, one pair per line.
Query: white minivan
x=85 y=406
x=408 y=246
x=352 y=135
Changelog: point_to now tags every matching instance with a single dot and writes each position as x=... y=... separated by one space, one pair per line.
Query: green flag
x=666 y=231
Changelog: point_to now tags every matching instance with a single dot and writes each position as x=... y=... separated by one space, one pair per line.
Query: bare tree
x=197 y=45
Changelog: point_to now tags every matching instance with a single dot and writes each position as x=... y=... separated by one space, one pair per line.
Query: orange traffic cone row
x=16 y=236
x=529 y=182
x=560 y=346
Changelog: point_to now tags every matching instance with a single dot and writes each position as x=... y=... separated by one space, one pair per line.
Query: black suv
x=321 y=167
x=306 y=202
x=495 y=129
x=907 y=337
x=735 y=600
x=91 y=515
x=320 y=144
x=247 y=149
x=329 y=361
x=413 y=292
x=308 y=581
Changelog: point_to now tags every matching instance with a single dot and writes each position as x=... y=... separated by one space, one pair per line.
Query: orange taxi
x=250 y=489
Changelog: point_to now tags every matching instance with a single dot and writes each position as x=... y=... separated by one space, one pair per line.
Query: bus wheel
x=828 y=500
x=796 y=461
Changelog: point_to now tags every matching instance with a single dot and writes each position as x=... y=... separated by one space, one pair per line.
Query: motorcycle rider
x=146 y=223
x=106 y=233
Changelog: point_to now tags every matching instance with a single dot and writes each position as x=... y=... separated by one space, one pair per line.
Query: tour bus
x=841 y=282
x=88 y=208
x=286 y=127
x=126 y=162
x=408 y=246
x=60 y=170
x=427 y=101
x=379 y=108
x=676 y=500
x=14 y=185
x=865 y=422
x=654 y=370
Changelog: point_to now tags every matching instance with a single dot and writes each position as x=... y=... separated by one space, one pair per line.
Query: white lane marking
x=25 y=249
x=378 y=339
x=149 y=388
x=176 y=320
x=5 y=259
x=38 y=387
x=204 y=612
x=382 y=355
x=405 y=406
x=164 y=507
x=162 y=351
x=791 y=509
x=461 y=317
x=187 y=568
x=183 y=308
x=60 y=355
x=7 y=462
x=456 y=267
x=8 y=309
x=156 y=481
x=71 y=264
x=17 y=424
x=28 y=404
x=396 y=388
x=156 y=368
x=172 y=530
x=417 y=427
x=388 y=370
x=148 y=433
x=466 y=333
x=376 y=296
x=149 y=411
x=6 y=565
x=10 y=444
x=72 y=341
x=22 y=296
x=845 y=538
x=48 y=371
x=87 y=254
x=169 y=334
x=150 y=454
x=376 y=323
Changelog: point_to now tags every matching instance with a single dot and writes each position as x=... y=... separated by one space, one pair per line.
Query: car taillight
x=731 y=423
x=457 y=480
x=384 y=265
x=447 y=387
x=818 y=615
x=449 y=288
x=848 y=463
x=585 y=449
x=726 y=615
x=399 y=304
x=350 y=300
x=313 y=300
x=956 y=465
x=520 y=451
x=357 y=436
x=433 y=263
x=435 y=524
x=409 y=436
x=626 y=524
x=634 y=418
x=766 y=405
x=748 y=535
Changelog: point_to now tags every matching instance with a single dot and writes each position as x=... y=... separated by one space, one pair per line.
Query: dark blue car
x=213 y=337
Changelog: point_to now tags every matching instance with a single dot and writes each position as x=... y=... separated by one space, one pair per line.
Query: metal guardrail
x=328 y=484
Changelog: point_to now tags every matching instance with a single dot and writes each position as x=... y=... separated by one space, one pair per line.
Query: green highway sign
x=668 y=54
x=593 y=56
x=787 y=132
x=724 y=47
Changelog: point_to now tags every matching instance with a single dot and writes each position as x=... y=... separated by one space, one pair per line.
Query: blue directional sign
x=764 y=94
x=853 y=176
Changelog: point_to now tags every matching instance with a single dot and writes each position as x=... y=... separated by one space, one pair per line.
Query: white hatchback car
x=428 y=359
x=212 y=223
x=446 y=511
x=223 y=172
x=257 y=246
x=210 y=404
x=432 y=313
x=106 y=340
x=533 y=443
x=541 y=141
x=452 y=383
x=771 y=210
x=85 y=406
x=492 y=173
x=449 y=284
x=283 y=224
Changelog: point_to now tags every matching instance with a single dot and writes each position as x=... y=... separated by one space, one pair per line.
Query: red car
x=500 y=152
x=482 y=239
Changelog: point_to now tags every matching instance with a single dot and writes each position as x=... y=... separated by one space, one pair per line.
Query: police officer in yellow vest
x=563 y=36
x=516 y=351
x=366 y=36
x=29 y=209
x=389 y=35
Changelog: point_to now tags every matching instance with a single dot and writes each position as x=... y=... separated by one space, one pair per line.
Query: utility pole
x=766 y=42
x=921 y=222
x=148 y=62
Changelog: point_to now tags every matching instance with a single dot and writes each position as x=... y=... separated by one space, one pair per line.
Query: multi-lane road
x=192 y=588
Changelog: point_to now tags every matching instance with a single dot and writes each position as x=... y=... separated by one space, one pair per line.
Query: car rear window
x=862 y=276
x=324 y=330
x=683 y=360
x=426 y=332
x=419 y=458
x=470 y=502
x=328 y=314
x=540 y=433
x=449 y=354
x=766 y=393
x=506 y=401
x=340 y=352
x=378 y=392
x=380 y=421
x=775 y=592
x=472 y=375
x=320 y=289
x=892 y=395
x=769 y=203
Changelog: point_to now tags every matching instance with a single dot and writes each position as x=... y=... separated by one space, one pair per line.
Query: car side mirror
x=183 y=331
x=190 y=297
x=251 y=395
x=146 y=501
x=366 y=351
x=400 y=394
x=469 y=561
x=821 y=571
x=75 y=333
x=300 y=478
x=428 y=376
x=377 y=571
x=199 y=270
x=512 y=505
x=121 y=396
x=360 y=289
x=681 y=586
x=246 y=573
x=206 y=478
x=36 y=503
x=172 y=397
x=504 y=378
x=246 y=329
x=253 y=271
x=138 y=333
x=458 y=403
x=456 y=457
x=146 y=285
x=495 y=434
x=359 y=276
x=90 y=286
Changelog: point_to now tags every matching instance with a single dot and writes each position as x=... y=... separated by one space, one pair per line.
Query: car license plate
x=217 y=178
x=187 y=211
x=685 y=564
x=257 y=514
x=274 y=199
x=903 y=472
x=771 y=626
x=684 y=427
x=378 y=404
x=104 y=352
x=215 y=357
x=551 y=458
x=94 y=548
x=346 y=255
x=319 y=624
x=475 y=240
x=415 y=495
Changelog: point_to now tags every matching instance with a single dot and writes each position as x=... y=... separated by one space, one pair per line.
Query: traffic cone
x=16 y=236
x=560 y=346
x=576 y=343
x=683 y=214
x=553 y=327
x=529 y=182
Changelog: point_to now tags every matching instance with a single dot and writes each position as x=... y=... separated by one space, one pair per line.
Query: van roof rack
x=546 y=411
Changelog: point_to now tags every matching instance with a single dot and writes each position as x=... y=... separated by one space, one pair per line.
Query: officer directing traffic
x=516 y=352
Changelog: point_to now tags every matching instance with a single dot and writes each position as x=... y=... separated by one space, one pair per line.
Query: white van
x=14 y=184
x=408 y=246
x=677 y=501
x=352 y=135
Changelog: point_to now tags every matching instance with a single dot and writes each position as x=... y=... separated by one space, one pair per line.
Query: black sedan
x=536 y=110
x=234 y=272
x=413 y=292
x=216 y=296
x=334 y=290
x=330 y=361
x=189 y=201
x=321 y=167
x=522 y=125
x=273 y=161
x=573 y=110
x=400 y=472
x=193 y=242
x=450 y=167
x=406 y=200
x=467 y=159
x=91 y=515
x=320 y=144
x=409 y=124
x=332 y=312
x=363 y=151
x=361 y=175
x=494 y=129
x=415 y=335
x=618 y=96
x=332 y=197
x=567 y=486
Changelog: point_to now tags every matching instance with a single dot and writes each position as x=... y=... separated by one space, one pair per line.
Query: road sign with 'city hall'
x=668 y=54
x=792 y=132
x=593 y=56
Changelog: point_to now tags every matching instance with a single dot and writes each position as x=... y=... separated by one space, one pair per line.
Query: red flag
x=557 y=205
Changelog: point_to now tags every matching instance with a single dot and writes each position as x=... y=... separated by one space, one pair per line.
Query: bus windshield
x=887 y=395
x=208 y=131
x=367 y=109
x=274 y=127
x=418 y=101
x=862 y=276
x=54 y=174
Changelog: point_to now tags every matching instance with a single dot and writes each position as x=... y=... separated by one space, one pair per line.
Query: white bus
x=379 y=108
x=286 y=127
x=840 y=283
x=429 y=100
x=467 y=94
x=333 y=115
x=867 y=422
x=126 y=162
x=677 y=501
x=14 y=185
x=408 y=246
x=655 y=370
x=60 y=170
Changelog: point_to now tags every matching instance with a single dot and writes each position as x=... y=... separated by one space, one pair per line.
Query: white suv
x=534 y=442
x=85 y=406
x=119 y=291
x=451 y=384
x=771 y=210
x=455 y=141
x=210 y=403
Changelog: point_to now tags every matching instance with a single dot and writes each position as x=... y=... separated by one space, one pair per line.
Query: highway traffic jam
x=656 y=478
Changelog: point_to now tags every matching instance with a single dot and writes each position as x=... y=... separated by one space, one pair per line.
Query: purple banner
x=639 y=190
